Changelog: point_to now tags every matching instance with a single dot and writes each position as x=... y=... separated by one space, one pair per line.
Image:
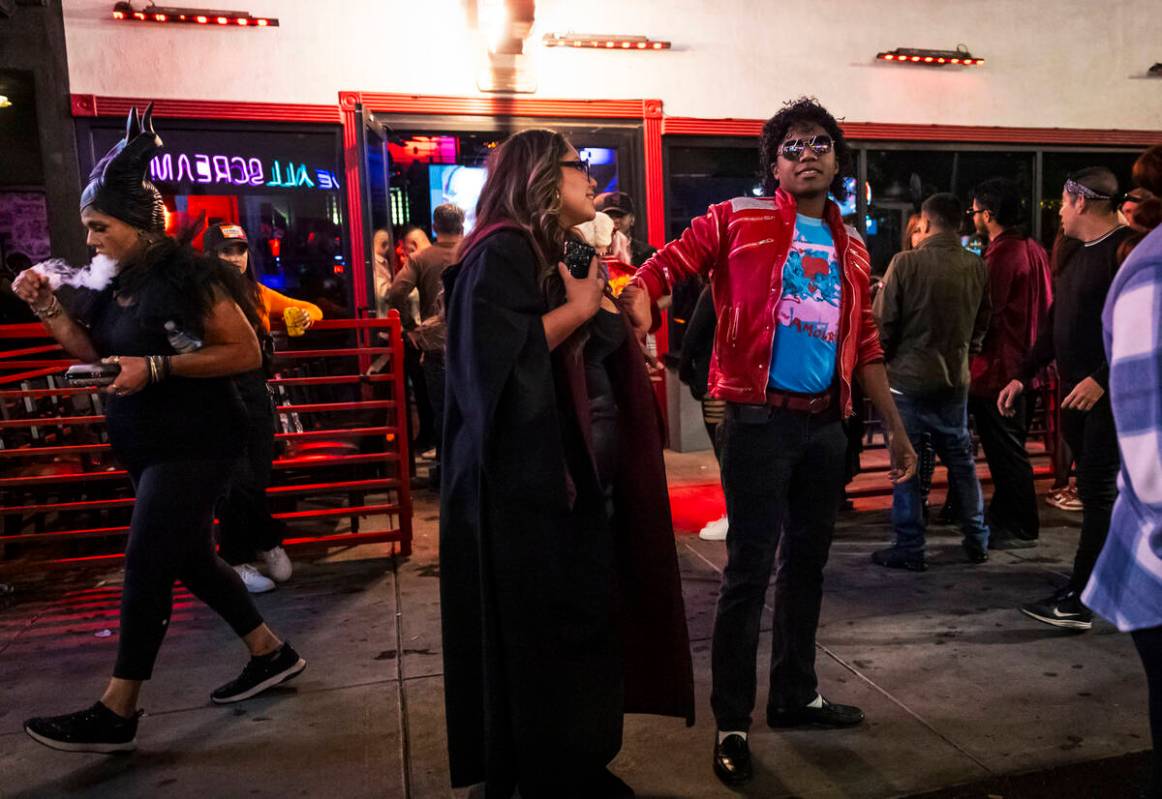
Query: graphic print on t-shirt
x=807 y=334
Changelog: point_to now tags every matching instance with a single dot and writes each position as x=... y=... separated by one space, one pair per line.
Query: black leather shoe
x=732 y=760
x=829 y=715
x=897 y=559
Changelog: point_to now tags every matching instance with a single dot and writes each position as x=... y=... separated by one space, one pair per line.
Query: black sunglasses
x=793 y=149
x=581 y=165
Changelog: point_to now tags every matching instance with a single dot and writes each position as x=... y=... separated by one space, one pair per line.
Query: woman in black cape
x=560 y=595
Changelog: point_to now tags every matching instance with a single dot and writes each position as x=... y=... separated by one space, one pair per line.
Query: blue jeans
x=945 y=420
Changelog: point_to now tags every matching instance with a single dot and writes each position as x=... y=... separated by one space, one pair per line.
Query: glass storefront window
x=283 y=186
x=900 y=179
x=700 y=175
x=427 y=169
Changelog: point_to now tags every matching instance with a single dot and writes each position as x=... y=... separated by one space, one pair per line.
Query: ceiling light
x=931 y=58
x=611 y=42
x=5 y=102
x=191 y=16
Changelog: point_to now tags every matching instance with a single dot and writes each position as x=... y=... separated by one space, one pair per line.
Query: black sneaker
x=94 y=729
x=895 y=558
x=261 y=673
x=975 y=554
x=1063 y=609
x=1009 y=541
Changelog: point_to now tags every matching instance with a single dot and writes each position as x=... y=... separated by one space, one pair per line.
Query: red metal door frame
x=649 y=112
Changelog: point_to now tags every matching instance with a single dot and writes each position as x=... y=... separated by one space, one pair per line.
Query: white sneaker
x=278 y=565
x=255 y=581
x=715 y=530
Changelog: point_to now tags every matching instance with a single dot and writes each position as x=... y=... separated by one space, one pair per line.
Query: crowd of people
x=560 y=594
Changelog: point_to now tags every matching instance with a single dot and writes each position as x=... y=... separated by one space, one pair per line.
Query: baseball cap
x=615 y=202
x=221 y=236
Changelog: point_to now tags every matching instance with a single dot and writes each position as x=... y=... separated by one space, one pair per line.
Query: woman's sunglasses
x=793 y=149
x=581 y=165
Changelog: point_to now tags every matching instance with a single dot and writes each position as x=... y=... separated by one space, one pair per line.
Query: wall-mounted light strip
x=192 y=16
x=931 y=58
x=601 y=42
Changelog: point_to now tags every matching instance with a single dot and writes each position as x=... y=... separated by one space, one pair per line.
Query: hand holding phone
x=578 y=257
x=92 y=374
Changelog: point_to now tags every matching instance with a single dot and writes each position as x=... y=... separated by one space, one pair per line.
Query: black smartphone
x=578 y=256
x=92 y=374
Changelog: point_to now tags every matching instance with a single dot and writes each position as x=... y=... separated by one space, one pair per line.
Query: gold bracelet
x=50 y=311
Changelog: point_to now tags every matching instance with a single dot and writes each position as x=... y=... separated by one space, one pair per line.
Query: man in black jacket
x=1071 y=334
x=932 y=311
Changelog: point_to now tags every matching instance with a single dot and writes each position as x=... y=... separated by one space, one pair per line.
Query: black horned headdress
x=119 y=184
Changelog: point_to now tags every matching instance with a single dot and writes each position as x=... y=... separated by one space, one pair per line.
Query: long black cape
x=555 y=622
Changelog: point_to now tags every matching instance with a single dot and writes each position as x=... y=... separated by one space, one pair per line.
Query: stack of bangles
x=53 y=309
x=159 y=367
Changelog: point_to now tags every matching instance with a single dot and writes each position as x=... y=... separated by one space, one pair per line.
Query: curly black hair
x=798 y=113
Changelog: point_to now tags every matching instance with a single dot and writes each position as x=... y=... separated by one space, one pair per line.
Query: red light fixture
x=191 y=16
x=931 y=58
x=596 y=42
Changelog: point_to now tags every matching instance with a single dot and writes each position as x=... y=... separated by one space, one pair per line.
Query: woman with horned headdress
x=175 y=422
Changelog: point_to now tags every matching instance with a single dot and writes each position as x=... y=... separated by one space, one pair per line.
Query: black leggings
x=1149 y=643
x=171 y=538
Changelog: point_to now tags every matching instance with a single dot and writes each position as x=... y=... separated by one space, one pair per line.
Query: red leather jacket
x=741 y=246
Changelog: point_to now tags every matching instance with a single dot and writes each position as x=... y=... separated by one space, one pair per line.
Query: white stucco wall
x=1050 y=63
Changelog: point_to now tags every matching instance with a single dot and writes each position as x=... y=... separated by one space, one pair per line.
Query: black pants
x=171 y=538
x=1013 y=509
x=1094 y=441
x=434 y=376
x=782 y=473
x=414 y=371
x=245 y=525
x=1149 y=643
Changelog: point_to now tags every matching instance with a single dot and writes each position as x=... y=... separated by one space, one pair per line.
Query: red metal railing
x=55 y=463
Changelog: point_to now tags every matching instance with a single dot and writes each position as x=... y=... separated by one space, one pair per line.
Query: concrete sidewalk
x=958 y=687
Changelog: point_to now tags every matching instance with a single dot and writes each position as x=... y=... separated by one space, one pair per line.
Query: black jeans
x=171 y=538
x=1094 y=441
x=245 y=525
x=782 y=473
x=434 y=376
x=1013 y=509
x=1149 y=643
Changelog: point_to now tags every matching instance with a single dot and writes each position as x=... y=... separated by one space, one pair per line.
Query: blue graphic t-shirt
x=807 y=335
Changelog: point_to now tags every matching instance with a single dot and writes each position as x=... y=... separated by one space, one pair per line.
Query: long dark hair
x=171 y=281
x=523 y=187
x=1147 y=175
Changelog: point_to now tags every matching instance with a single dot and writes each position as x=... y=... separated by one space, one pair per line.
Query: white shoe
x=278 y=565
x=715 y=530
x=255 y=581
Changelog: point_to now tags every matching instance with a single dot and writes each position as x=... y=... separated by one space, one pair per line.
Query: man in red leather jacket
x=790 y=285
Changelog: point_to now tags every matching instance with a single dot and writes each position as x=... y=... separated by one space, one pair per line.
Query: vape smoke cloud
x=95 y=276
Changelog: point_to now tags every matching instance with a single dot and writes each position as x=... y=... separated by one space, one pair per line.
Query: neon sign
x=237 y=170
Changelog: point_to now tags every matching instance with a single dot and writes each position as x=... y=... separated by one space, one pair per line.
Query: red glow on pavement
x=693 y=505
